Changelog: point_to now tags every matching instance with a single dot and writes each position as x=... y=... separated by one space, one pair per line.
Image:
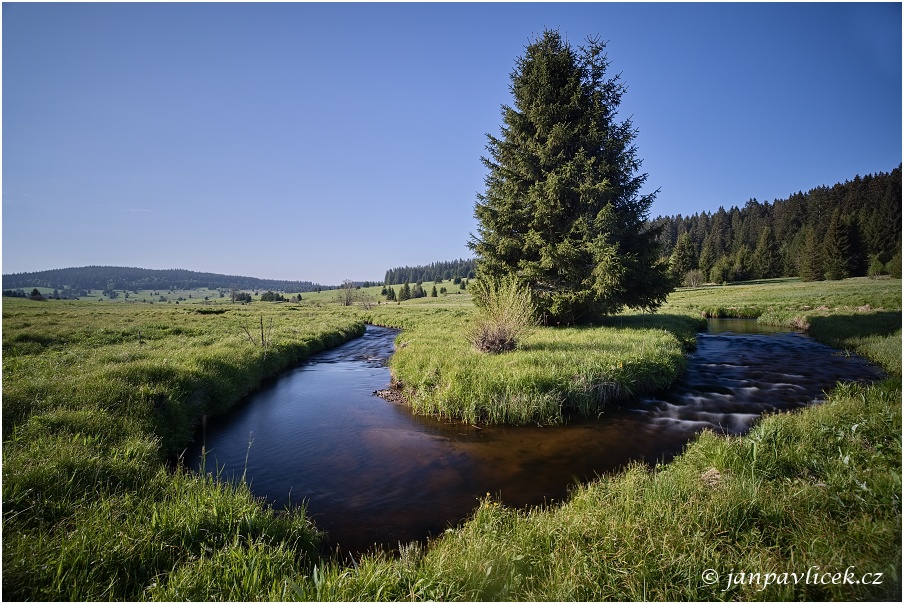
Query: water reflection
x=370 y=472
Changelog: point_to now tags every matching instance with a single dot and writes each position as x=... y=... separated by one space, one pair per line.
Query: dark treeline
x=847 y=230
x=435 y=271
x=126 y=278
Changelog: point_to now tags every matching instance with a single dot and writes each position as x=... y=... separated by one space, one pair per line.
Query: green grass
x=91 y=412
x=787 y=297
x=800 y=490
x=819 y=487
x=91 y=512
x=554 y=371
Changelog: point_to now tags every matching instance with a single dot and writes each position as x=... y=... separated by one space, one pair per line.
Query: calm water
x=371 y=473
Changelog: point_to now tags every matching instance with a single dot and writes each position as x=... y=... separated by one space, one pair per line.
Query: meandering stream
x=371 y=473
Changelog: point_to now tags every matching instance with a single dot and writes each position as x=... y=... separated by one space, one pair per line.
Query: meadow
x=92 y=413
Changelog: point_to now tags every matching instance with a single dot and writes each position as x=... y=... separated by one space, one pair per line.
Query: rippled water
x=371 y=473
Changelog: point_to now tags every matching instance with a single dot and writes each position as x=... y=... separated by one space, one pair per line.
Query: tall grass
x=505 y=312
x=554 y=371
x=91 y=412
x=91 y=513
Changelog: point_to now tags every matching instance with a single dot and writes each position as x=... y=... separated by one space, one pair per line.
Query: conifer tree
x=766 y=260
x=837 y=249
x=684 y=258
x=562 y=210
x=811 y=266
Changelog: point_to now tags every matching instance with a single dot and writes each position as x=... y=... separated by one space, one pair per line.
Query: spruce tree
x=562 y=210
x=684 y=258
x=766 y=260
x=811 y=266
x=837 y=249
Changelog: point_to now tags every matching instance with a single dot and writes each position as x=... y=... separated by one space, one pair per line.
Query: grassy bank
x=90 y=512
x=815 y=492
x=783 y=299
x=95 y=397
x=554 y=371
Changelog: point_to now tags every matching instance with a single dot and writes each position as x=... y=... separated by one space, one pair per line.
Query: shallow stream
x=371 y=473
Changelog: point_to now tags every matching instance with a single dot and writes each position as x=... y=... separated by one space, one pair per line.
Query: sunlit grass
x=95 y=397
x=553 y=372
x=90 y=412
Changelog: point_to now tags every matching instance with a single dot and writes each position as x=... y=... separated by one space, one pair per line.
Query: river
x=369 y=472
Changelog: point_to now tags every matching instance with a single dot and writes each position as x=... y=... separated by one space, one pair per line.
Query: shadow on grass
x=843 y=327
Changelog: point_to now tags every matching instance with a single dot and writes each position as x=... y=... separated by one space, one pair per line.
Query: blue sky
x=325 y=142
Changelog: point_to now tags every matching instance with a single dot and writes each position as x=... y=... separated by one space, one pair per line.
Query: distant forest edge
x=850 y=229
x=126 y=278
x=435 y=271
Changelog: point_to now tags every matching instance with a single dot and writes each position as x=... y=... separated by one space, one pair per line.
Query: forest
x=435 y=271
x=850 y=229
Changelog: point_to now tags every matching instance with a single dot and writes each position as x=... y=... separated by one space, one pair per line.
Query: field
x=92 y=412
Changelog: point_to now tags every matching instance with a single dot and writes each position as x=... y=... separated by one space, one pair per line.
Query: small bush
x=505 y=311
x=693 y=278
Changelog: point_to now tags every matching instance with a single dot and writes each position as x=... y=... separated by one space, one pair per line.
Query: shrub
x=894 y=266
x=693 y=278
x=876 y=268
x=505 y=310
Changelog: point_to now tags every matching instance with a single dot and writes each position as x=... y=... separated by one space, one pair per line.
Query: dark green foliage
x=562 y=209
x=684 y=258
x=404 y=293
x=811 y=262
x=766 y=259
x=868 y=226
x=270 y=296
x=837 y=249
x=435 y=271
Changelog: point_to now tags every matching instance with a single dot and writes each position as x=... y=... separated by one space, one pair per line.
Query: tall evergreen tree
x=562 y=209
x=837 y=249
x=811 y=265
x=766 y=259
x=684 y=257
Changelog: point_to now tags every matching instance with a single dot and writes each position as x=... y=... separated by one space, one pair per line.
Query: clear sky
x=325 y=142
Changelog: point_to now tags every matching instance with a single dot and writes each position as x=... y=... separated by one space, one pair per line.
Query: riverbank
x=95 y=398
x=91 y=513
x=804 y=507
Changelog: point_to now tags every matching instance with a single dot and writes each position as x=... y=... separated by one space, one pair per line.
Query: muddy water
x=371 y=473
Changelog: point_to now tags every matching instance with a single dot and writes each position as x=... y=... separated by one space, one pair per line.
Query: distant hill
x=127 y=278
